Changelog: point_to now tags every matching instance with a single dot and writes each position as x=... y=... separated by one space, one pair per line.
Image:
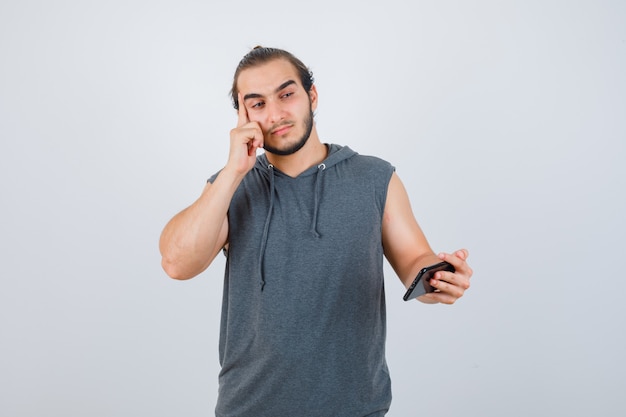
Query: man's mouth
x=281 y=130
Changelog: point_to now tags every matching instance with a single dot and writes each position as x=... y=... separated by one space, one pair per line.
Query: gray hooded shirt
x=303 y=313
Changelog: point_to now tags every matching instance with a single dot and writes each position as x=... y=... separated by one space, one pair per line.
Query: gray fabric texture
x=303 y=314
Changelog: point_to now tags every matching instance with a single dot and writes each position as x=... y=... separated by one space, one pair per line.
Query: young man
x=304 y=227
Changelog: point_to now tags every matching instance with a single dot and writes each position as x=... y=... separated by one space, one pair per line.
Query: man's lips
x=281 y=130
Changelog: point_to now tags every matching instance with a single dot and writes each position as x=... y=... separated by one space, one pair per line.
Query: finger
x=462 y=253
x=242 y=113
x=454 y=260
x=450 y=282
x=255 y=139
x=457 y=260
x=453 y=285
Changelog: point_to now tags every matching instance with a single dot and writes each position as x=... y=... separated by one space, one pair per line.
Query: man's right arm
x=193 y=238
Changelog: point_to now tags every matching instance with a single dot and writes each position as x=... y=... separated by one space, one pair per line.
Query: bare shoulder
x=397 y=202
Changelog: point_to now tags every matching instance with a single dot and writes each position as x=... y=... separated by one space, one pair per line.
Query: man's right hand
x=245 y=139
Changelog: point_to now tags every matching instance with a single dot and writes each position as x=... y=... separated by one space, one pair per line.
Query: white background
x=505 y=121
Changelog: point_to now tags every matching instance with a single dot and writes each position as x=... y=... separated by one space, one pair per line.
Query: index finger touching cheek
x=242 y=113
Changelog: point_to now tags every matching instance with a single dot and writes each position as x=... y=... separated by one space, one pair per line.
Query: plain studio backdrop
x=505 y=120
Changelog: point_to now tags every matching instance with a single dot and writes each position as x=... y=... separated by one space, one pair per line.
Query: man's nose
x=275 y=111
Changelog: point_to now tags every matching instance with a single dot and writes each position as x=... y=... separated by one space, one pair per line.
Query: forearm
x=192 y=239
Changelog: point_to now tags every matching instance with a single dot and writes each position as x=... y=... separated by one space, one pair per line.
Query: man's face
x=275 y=99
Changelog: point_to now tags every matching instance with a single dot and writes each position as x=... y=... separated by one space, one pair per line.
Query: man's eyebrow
x=285 y=85
x=251 y=95
x=280 y=87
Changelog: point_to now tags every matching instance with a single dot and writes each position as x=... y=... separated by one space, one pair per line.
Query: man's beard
x=308 y=127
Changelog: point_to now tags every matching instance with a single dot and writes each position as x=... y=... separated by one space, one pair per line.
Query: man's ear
x=313 y=97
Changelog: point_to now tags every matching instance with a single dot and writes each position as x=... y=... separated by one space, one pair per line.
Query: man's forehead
x=267 y=78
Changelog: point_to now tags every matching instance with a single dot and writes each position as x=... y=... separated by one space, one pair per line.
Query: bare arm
x=405 y=245
x=191 y=240
x=408 y=251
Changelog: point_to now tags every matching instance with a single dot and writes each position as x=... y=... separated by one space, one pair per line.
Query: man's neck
x=312 y=153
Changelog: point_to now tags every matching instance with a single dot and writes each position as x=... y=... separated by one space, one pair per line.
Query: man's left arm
x=407 y=249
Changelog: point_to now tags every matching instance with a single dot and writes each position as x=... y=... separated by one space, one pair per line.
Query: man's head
x=261 y=55
x=275 y=90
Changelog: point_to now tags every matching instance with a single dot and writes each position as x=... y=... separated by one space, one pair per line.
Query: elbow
x=172 y=264
x=173 y=270
x=182 y=264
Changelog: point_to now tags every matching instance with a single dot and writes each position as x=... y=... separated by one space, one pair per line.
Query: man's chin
x=287 y=149
x=291 y=148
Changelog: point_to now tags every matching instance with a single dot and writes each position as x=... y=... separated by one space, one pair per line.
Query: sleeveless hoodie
x=303 y=313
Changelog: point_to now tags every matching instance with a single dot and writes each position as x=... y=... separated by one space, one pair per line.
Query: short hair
x=260 y=55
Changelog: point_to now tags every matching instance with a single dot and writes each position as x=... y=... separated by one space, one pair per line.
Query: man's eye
x=257 y=105
x=286 y=95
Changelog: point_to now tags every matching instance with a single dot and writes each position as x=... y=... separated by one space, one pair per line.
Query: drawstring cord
x=320 y=168
x=266 y=228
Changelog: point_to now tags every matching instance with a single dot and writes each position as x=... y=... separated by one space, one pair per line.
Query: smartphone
x=421 y=283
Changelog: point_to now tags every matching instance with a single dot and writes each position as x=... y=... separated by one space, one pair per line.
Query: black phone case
x=421 y=283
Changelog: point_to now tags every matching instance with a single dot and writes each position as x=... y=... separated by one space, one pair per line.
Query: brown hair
x=260 y=55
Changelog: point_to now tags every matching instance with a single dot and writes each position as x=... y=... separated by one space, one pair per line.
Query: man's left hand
x=450 y=286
